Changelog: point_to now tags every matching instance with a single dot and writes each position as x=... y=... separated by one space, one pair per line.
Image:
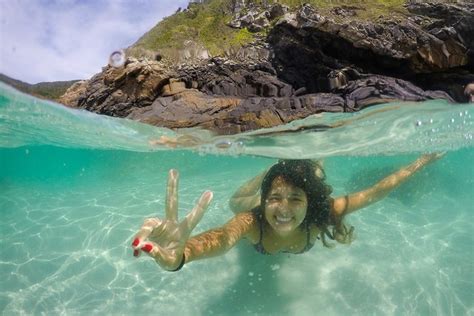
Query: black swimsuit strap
x=309 y=245
x=260 y=222
x=259 y=246
x=308 y=235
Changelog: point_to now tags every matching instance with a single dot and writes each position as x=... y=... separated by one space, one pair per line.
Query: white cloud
x=71 y=39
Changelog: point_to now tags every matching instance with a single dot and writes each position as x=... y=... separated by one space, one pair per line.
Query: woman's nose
x=284 y=204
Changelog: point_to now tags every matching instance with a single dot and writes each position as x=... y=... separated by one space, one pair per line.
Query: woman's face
x=285 y=207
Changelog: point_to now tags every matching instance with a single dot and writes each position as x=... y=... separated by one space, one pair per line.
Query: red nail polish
x=136 y=253
x=136 y=242
x=147 y=248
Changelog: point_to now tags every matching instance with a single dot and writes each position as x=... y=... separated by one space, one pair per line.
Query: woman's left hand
x=165 y=239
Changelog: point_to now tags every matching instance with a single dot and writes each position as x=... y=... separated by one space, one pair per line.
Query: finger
x=153 y=250
x=147 y=228
x=164 y=140
x=164 y=258
x=193 y=218
x=172 y=196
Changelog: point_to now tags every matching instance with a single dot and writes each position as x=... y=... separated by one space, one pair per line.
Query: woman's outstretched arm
x=352 y=202
x=218 y=241
x=168 y=241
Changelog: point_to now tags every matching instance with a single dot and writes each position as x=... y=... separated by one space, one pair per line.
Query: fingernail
x=136 y=253
x=147 y=248
x=136 y=242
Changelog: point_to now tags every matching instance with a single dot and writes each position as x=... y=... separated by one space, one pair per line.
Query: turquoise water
x=76 y=186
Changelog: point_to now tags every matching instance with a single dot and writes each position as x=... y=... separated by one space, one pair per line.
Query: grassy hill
x=206 y=24
x=47 y=90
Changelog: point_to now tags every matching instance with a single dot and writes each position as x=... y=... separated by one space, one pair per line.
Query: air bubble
x=452 y=120
x=418 y=123
x=275 y=267
x=223 y=144
x=117 y=59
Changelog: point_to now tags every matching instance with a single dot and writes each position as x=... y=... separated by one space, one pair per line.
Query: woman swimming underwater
x=285 y=209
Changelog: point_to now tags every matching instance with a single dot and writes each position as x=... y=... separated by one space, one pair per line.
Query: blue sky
x=52 y=40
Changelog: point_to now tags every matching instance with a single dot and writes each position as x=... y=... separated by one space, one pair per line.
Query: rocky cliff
x=298 y=60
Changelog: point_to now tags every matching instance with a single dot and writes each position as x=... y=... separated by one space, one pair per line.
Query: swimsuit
x=259 y=246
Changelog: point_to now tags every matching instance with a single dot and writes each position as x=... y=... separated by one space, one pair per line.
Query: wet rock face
x=377 y=89
x=226 y=114
x=231 y=79
x=308 y=46
x=459 y=17
x=229 y=115
x=115 y=91
x=309 y=63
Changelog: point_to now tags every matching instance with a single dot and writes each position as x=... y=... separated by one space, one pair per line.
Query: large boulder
x=116 y=91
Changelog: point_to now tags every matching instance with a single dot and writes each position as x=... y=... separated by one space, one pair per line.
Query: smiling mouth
x=283 y=220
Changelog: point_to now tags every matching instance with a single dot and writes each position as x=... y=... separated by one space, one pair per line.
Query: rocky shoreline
x=308 y=63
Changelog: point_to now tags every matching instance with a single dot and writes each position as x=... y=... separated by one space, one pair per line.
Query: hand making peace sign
x=165 y=240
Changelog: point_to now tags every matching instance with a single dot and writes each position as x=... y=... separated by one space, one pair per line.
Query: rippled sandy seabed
x=76 y=186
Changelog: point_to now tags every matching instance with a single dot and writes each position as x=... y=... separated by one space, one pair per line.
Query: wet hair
x=310 y=177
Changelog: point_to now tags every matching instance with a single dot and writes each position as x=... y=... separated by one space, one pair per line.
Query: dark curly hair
x=303 y=174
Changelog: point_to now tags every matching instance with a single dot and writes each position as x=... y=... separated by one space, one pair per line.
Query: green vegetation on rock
x=206 y=24
x=242 y=37
x=366 y=9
